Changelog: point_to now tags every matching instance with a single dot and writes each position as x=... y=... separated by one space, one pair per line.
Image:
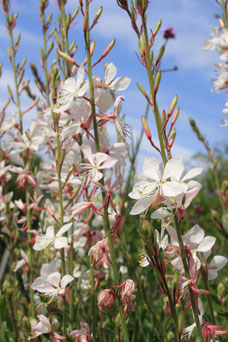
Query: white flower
x=72 y=88
x=195 y=240
x=97 y=162
x=21 y=262
x=152 y=182
x=215 y=265
x=43 y=241
x=42 y=327
x=79 y=113
x=120 y=83
x=53 y=285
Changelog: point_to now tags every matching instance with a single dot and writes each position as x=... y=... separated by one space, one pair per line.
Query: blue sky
x=191 y=20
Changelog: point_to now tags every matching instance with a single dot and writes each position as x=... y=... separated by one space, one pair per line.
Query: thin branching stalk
x=44 y=30
x=187 y=273
x=106 y=216
x=13 y=62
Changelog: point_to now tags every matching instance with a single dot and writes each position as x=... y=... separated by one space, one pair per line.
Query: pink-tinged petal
x=152 y=169
x=110 y=73
x=64 y=229
x=207 y=243
x=19 y=264
x=119 y=84
x=171 y=189
x=78 y=208
x=45 y=321
x=105 y=101
x=174 y=169
x=192 y=173
x=101 y=158
x=194 y=235
x=66 y=280
x=86 y=149
x=191 y=194
x=141 y=205
x=108 y=163
x=173 y=234
x=60 y=242
x=54 y=279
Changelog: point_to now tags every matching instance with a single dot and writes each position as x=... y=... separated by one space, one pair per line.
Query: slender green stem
x=224 y=8
x=31 y=261
x=13 y=315
x=2 y=330
x=45 y=58
x=209 y=301
x=106 y=216
x=63 y=268
x=64 y=30
x=15 y=72
x=93 y=301
x=187 y=273
x=218 y=188
x=151 y=83
x=71 y=259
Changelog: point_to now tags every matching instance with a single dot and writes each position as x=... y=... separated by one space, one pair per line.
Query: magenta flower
x=169 y=33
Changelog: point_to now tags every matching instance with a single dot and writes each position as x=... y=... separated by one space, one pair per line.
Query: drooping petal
x=60 y=242
x=87 y=151
x=66 y=280
x=141 y=205
x=105 y=101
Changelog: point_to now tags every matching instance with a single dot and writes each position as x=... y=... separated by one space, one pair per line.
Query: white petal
x=192 y=173
x=50 y=232
x=54 y=279
x=121 y=83
x=87 y=151
x=173 y=234
x=173 y=169
x=60 y=242
x=152 y=169
x=171 y=189
x=141 y=205
x=66 y=280
x=194 y=235
x=207 y=243
x=218 y=261
x=64 y=229
x=110 y=73
x=80 y=76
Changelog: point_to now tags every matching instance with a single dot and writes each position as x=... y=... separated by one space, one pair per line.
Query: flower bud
x=157 y=81
x=180 y=324
x=160 y=55
x=146 y=127
x=157 y=27
x=175 y=116
x=172 y=106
